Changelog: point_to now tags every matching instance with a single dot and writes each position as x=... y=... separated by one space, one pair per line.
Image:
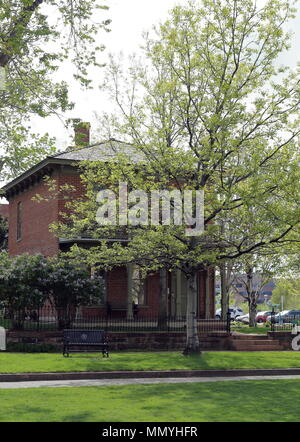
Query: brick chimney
x=81 y=133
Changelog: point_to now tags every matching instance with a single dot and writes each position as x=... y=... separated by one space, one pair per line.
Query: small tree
x=287 y=293
x=261 y=268
x=22 y=285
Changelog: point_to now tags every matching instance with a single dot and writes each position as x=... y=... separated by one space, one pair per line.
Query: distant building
x=265 y=293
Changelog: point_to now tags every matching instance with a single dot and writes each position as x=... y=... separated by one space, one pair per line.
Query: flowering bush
x=21 y=284
x=26 y=281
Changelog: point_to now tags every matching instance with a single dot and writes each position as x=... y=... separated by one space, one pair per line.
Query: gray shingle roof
x=104 y=151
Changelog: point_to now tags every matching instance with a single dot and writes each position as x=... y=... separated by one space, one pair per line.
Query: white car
x=244 y=319
x=234 y=313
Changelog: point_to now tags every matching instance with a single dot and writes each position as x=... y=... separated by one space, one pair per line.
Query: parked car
x=285 y=316
x=244 y=319
x=234 y=313
x=262 y=317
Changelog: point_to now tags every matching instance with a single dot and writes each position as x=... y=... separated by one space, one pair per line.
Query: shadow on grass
x=230 y=401
x=146 y=361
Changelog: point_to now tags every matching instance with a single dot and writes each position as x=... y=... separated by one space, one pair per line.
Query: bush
x=27 y=281
x=22 y=347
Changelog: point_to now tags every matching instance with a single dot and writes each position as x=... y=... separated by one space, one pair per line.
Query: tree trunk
x=252 y=313
x=251 y=298
x=224 y=292
x=192 y=338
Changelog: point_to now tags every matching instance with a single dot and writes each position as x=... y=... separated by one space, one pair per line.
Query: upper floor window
x=19 y=221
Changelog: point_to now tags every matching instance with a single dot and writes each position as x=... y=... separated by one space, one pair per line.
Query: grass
x=54 y=362
x=230 y=401
x=251 y=330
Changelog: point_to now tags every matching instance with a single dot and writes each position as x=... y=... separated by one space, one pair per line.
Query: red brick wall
x=117 y=286
x=36 y=237
x=72 y=179
x=4 y=209
x=152 y=296
x=36 y=218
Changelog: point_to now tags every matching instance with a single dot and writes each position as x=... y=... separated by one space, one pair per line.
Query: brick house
x=29 y=233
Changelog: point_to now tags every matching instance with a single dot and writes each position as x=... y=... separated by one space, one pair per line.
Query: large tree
x=36 y=38
x=287 y=293
x=208 y=108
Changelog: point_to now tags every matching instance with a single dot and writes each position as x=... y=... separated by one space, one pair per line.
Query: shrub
x=22 y=347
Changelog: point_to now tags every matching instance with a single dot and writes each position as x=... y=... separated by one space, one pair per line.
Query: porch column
x=163 y=294
x=178 y=294
x=129 y=313
x=207 y=293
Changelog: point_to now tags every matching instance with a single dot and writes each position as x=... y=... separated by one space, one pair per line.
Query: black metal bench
x=84 y=338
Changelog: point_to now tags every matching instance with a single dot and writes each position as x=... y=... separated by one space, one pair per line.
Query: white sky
x=129 y=19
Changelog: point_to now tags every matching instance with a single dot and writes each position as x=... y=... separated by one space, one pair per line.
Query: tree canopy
x=36 y=38
x=208 y=108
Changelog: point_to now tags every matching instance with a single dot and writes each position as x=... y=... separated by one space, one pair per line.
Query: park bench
x=84 y=338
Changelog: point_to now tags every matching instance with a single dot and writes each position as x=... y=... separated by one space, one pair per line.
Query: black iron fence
x=48 y=318
x=284 y=322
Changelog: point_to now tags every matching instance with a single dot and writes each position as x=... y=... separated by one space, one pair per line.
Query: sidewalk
x=133 y=377
x=137 y=381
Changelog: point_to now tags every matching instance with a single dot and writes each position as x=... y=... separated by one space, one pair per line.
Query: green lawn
x=53 y=362
x=231 y=401
x=251 y=330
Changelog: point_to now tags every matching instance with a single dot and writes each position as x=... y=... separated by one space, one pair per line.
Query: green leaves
x=36 y=38
x=209 y=109
x=26 y=281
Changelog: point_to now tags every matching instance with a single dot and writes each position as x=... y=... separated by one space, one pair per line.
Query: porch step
x=256 y=344
x=259 y=348
x=249 y=337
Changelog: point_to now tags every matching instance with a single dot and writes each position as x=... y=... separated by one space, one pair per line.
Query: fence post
x=228 y=325
x=273 y=320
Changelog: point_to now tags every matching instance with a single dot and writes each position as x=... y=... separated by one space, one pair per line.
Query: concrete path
x=107 y=382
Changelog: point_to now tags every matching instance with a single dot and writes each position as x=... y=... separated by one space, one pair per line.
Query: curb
x=23 y=377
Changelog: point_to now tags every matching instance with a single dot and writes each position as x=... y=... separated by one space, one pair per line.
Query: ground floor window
x=138 y=287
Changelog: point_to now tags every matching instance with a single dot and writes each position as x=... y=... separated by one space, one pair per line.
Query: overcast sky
x=129 y=19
